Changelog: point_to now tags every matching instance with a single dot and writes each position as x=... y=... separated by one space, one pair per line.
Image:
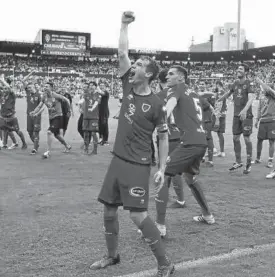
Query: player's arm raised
x=4 y=83
x=27 y=77
x=266 y=87
x=206 y=94
x=123 y=44
x=61 y=98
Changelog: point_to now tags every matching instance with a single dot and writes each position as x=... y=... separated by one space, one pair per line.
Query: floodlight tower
x=239 y=24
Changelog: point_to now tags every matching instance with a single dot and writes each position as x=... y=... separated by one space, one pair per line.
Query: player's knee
x=138 y=216
x=271 y=142
x=189 y=179
x=36 y=135
x=111 y=225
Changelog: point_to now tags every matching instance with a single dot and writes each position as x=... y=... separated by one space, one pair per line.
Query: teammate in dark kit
x=243 y=97
x=8 y=120
x=185 y=104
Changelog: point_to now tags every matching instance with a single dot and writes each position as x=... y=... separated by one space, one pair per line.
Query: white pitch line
x=208 y=260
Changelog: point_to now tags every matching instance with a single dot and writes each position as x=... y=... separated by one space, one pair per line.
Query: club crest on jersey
x=145 y=107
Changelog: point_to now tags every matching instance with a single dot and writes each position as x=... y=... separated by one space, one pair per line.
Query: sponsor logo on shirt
x=130 y=113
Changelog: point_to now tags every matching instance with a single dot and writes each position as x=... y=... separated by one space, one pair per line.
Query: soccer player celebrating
x=80 y=108
x=52 y=101
x=243 y=97
x=67 y=109
x=266 y=122
x=208 y=112
x=33 y=123
x=127 y=180
x=220 y=113
x=5 y=134
x=185 y=104
x=33 y=100
x=174 y=139
x=90 y=117
x=8 y=120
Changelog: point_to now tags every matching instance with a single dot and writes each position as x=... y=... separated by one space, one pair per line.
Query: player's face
x=92 y=88
x=30 y=89
x=240 y=72
x=102 y=87
x=36 y=87
x=202 y=86
x=138 y=73
x=47 y=88
x=85 y=87
x=173 y=77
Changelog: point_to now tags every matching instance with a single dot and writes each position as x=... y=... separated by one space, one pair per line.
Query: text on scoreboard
x=65 y=43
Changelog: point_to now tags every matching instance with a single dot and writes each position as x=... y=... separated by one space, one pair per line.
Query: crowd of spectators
x=70 y=74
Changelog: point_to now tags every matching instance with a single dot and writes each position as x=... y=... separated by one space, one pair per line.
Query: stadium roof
x=263 y=53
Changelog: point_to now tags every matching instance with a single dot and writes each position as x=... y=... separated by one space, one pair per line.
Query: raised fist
x=128 y=17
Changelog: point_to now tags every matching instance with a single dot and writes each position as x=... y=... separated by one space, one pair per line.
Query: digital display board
x=65 y=43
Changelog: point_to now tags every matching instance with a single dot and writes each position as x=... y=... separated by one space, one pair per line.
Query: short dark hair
x=9 y=80
x=245 y=66
x=50 y=83
x=152 y=67
x=219 y=83
x=93 y=83
x=182 y=70
x=163 y=75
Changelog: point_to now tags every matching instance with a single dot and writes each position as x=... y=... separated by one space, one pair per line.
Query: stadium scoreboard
x=63 y=43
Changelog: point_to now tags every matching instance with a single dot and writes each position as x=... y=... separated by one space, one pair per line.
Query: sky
x=160 y=24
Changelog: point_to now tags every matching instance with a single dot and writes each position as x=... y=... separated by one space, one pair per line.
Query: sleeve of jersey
x=161 y=120
x=126 y=86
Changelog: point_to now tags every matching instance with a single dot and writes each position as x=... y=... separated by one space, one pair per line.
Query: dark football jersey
x=188 y=115
x=139 y=116
x=8 y=103
x=174 y=132
x=33 y=100
x=104 y=107
x=88 y=113
x=54 y=106
x=240 y=96
x=66 y=109
x=220 y=106
x=206 y=111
